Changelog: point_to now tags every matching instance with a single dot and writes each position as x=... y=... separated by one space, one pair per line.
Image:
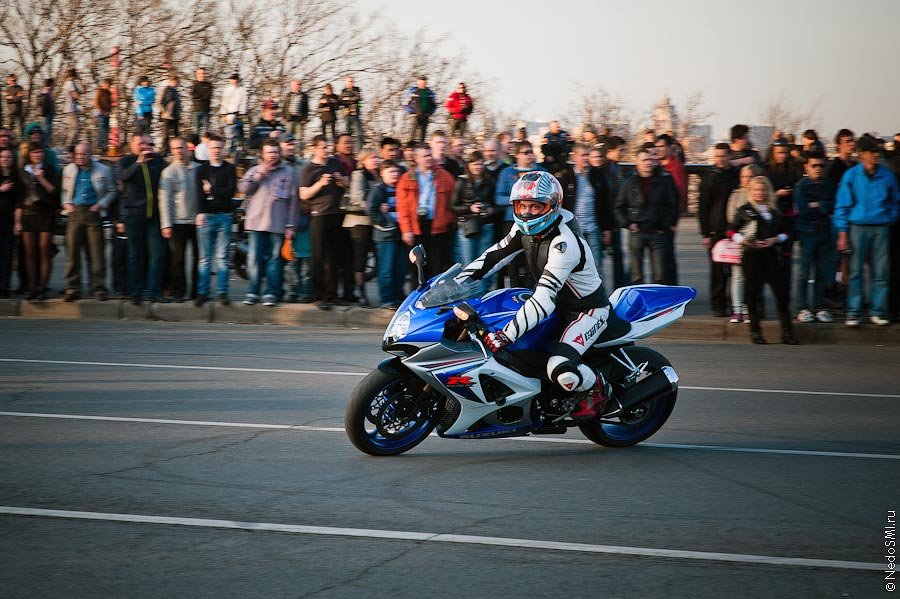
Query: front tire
x=641 y=422
x=390 y=413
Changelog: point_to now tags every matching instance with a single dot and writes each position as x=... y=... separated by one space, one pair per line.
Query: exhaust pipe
x=661 y=382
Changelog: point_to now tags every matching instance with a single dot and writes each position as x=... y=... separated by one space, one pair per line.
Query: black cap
x=235 y=76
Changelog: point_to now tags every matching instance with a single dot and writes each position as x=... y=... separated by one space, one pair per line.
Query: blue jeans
x=595 y=241
x=392 y=269
x=815 y=253
x=472 y=247
x=265 y=256
x=145 y=238
x=102 y=132
x=201 y=122
x=213 y=239
x=870 y=243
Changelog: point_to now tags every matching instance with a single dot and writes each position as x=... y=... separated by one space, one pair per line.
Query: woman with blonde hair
x=738 y=198
x=760 y=227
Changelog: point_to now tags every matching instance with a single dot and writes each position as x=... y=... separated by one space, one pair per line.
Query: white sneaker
x=852 y=322
x=882 y=322
x=251 y=299
x=269 y=300
x=824 y=316
x=805 y=316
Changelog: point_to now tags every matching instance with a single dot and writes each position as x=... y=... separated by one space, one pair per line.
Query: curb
x=688 y=328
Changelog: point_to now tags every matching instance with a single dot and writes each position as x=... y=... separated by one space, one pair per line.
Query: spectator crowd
x=324 y=211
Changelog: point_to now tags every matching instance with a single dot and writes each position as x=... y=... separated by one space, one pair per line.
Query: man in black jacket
x=351 y=101
x=201 y=95
x=267 y=127
x=648 y=207
x=139 y=174
x=715 y=190
x=586 y=195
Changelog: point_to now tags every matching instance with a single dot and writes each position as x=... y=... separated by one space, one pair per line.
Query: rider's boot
x=592 y=401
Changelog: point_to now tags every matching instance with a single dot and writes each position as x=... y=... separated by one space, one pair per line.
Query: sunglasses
x=816 y=166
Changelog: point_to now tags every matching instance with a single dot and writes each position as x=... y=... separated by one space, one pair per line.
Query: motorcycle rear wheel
x=389 y=414
x=642 y=422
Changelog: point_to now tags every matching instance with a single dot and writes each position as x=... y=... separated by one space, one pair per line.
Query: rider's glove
x=496 y=341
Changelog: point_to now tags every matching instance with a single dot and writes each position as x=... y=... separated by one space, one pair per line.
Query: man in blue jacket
x=144 y=98
x=868 y=203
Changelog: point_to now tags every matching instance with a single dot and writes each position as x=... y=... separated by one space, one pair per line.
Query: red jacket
x=678 y=171
x=408 y=202
x=459 y=106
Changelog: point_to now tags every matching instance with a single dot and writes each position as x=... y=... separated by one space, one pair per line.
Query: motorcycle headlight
x=398 y=328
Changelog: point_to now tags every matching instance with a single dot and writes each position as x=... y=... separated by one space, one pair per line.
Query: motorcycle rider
x=567 y=280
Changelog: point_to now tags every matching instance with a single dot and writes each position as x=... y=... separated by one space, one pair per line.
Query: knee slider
x=566 y=374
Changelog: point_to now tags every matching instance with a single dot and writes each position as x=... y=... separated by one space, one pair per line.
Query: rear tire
x=641 y=422
x=389 y=414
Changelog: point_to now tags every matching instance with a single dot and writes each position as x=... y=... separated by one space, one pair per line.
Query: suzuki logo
x=459 y=381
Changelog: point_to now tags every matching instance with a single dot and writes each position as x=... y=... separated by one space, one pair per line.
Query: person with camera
x=139 y=174
x=321 y=188
x=473 y=204
x=271 y=214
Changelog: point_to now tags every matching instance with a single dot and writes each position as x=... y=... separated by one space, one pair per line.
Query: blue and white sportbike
x=443 y=377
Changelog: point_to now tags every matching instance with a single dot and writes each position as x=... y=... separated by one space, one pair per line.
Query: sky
x=842 y=55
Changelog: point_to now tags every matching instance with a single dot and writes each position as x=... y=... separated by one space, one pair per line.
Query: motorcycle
x=443 y=377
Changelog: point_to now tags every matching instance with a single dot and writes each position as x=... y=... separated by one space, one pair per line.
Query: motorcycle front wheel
x=389 y=414
x=641 y=422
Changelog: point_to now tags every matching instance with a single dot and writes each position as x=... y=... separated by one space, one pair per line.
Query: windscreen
x=445 y=290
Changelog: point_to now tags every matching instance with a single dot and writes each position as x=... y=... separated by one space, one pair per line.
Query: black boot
x=757 y=338
x=787 y=333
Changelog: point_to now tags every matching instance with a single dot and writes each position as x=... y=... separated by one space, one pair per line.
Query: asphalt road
x=748 y=476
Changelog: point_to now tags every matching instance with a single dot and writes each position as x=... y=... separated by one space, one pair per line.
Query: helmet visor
x=529 y=209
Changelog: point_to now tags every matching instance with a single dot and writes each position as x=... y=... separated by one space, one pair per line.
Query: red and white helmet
x=536 y=186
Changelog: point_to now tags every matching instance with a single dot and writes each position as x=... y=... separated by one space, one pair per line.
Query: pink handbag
x=727 y=252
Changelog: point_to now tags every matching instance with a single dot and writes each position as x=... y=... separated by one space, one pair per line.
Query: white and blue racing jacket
x=560 y=261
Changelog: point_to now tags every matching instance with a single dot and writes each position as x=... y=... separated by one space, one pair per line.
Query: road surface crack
x=153 y=463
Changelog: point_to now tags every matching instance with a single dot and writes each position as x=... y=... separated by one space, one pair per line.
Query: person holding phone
x=139 y=174
x=321 y=188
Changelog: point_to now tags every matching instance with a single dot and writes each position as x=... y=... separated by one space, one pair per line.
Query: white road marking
x=184 y=367
x=334 y=429
x=428 y=537
x=359 y=374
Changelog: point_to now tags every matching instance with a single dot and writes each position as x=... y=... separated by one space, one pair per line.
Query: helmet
x=536 y=186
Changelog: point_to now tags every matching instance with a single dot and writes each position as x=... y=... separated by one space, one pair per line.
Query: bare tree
x=784 y=115
x=691 y=130
x=601 y=108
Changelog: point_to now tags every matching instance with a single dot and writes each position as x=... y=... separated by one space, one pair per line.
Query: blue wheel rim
x=382 y=416
x=624 y=433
